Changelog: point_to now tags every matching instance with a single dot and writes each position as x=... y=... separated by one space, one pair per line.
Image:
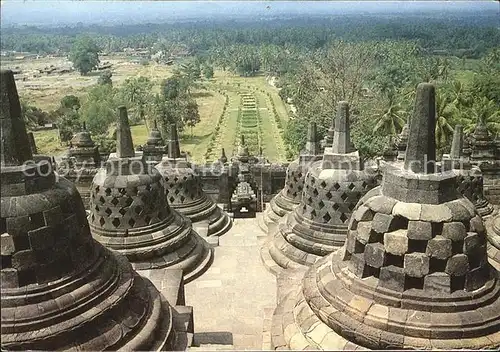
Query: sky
x=56 y=13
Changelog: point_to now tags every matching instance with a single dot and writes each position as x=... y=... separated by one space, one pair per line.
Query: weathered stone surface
x=410 y=211
x=393 y=278
x=375 y=254
x=87 y=298
x=439 y=247
x=416 y=264
x=454 y=231
x=396 y=242
x=382 y=222
x=419 y=230
x=457 y=265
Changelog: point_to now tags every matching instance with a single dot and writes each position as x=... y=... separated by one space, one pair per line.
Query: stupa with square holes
x=413 y=273
x=60 y=289
x=129 y=214
x=318 y=225
x=184 y=193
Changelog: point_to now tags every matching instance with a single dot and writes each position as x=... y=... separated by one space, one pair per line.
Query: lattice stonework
x=413 y=246
x=128 y=207
x=294 y=182
x=182 y=187
x=331 y=201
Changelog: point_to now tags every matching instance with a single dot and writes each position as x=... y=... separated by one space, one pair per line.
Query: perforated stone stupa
x=413 y=272
x=59 y=288
x=333 y=186
x=129 y=214
x=469 y=178
x=184 y=193
x=493 y=233
x=291 y=195
x=81 y=163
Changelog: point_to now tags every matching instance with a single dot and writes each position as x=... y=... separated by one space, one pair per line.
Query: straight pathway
x=231 y=299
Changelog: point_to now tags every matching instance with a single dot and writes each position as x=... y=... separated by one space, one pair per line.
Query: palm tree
x=444 y=117
x=487 y=112
x=391 y=119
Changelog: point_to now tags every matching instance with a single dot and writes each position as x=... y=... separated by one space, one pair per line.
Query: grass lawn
x=47 y=142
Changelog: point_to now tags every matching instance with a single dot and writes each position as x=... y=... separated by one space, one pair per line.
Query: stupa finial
x=421 y=150
x=15 y=143
x=124 y=144
x=174 y=150
x=341 y=137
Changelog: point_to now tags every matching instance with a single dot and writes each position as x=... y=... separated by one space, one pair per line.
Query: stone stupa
x=318 y=225
x=469 y=178
x=154 y=148
x=402 y=142
x=291 y=195
x=129 y=214
x=81 y=163
x=60 y=289
x=413 y=273
x=493 y=234
x=184 y=193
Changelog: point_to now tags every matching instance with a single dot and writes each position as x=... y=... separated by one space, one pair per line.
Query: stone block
x=416 y=264
x=350 y=243
x=477 y=225
x=8 y=247
x=439 y=283
x=419 y=230
x=472 y=243
x=381 y=204
x=23 y=260
x=396 y=242
x=357 y=264
x=435 y=213
x=363 y=214
x=381 y=223
x=42 y=238
x=476 y=278
x=455 y=231
x=410 y=211
x=459 y=211
x=392 y=278
x=9 y=278
x=457 y=265
x=364 y=230
x=374 y=254
x=439 y=247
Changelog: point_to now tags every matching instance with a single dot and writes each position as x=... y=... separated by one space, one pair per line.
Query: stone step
x=210 y=347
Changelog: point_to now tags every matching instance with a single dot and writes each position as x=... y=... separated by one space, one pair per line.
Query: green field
x=205 y=141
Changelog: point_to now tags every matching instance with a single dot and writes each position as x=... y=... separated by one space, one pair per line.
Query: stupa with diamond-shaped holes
x=469 y=177
x=184 y=193
x=413 y=273
x=290 y=196
x=129 y=214
x=332 y=187
x=493 y=233
x=60 y=289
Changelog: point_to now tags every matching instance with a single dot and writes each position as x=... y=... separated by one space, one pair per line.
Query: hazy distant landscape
x=221 y=70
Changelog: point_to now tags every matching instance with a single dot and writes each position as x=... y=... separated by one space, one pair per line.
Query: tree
x=136 y=93
x=105 y=78
x=84 y=55
x=70 y=102
x=191 y=114
x=208 y=72
x=391 y=120
x=444 y=117
x=99 y=108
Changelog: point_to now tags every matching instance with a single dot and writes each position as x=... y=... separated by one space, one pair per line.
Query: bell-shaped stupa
x=332 y=187
x=184 y=193
x=493 y=234
x=469 y=178
x=402 y=142
x=60 y=289
x=291 y=195
x=413 y=273
x=81 y=163
x=154 y=149
x=129 y=214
